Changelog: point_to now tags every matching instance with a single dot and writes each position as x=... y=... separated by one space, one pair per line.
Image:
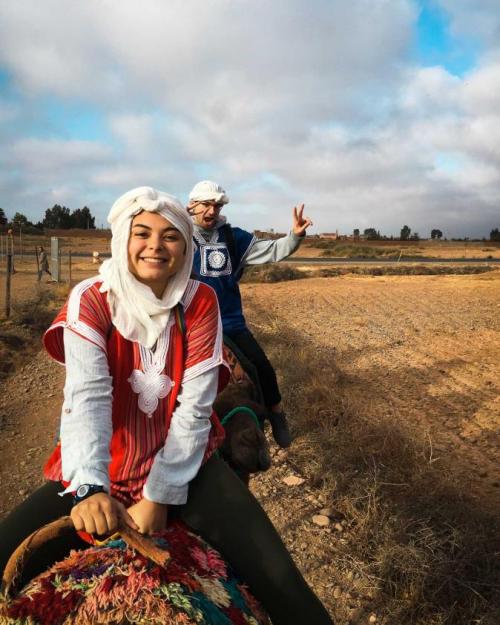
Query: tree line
x=372 y=234
x=61 y=218
x=56 y=218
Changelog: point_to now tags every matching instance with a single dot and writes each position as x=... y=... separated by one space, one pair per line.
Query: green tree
x=3 y=217
x=436 y=234
x=20 y=220
x=355 y=233
x=405 y=233
x=495 y=235
x=371 y=234
x=82 y=218
x=57 y=217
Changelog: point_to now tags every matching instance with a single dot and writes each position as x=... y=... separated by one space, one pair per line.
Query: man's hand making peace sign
x=300 y=223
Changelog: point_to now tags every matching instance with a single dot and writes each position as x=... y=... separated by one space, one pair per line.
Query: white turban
x=135 y=310
x=206 y=191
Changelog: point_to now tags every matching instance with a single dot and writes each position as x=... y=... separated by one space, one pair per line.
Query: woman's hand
x=300 y=223
x=100 y=514
x=149 y=516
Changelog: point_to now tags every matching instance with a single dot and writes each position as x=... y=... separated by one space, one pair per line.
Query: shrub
x=272 y=273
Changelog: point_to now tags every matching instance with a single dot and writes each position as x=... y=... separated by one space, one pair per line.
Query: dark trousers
x=247 y=343
x=223 y=512
x=40 y=272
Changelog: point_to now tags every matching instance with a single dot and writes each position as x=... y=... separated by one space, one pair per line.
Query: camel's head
x=245 y=447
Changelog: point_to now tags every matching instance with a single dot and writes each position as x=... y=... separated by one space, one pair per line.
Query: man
x=43 y=263
x=221 y=253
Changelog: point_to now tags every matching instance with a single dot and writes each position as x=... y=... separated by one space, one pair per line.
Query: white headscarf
x=208 y=190
x=135 y=310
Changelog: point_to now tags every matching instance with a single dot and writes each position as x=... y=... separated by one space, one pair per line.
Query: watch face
x=82 y=490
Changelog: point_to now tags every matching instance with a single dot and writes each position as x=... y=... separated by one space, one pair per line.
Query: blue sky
x=437 y=45
x=375 y=113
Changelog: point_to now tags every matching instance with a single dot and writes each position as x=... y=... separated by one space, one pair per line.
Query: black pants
x=247 y=343
x=223 y=512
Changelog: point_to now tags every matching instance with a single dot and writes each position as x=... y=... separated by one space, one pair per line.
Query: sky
x=374 y=113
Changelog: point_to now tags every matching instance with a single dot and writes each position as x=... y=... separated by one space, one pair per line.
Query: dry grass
x=418 y=548
x=37 y=312
x=427 y=248
x=272 y=273
x=406 y=270
x=365 y=251
x=30 y=317
x=284 y=272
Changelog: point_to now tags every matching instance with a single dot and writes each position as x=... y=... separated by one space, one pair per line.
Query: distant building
x=335 y=236
x=268 y=234
x=330 y=235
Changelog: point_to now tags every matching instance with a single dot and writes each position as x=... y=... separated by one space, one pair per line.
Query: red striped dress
x=136 y=438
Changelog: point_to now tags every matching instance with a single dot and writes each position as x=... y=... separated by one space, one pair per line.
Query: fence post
x=7 y=285
x=55 y=257
x=70 y=274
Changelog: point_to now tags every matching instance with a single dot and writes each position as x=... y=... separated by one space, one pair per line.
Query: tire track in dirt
x=425 y=349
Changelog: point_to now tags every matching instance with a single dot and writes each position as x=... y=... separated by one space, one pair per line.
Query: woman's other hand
x=300 y=223
x=149 y=516
x=99 y=514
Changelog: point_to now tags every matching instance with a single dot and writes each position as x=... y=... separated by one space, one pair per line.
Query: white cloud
x=280 y=102
x=50 y=155
x=476 y=19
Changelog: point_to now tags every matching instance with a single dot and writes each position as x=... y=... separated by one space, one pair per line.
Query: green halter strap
x=240 y=409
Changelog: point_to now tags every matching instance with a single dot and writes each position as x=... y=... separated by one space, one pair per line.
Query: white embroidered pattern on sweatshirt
x=151 y=384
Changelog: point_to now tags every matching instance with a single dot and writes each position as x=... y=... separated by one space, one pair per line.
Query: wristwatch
x=86 y=490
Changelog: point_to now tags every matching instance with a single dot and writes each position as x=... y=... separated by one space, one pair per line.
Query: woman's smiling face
x=156 y=250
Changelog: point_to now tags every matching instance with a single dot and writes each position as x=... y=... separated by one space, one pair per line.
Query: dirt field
x=413 y=363
x=421 y=350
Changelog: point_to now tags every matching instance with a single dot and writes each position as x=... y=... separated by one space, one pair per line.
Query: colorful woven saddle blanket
x=112 y=584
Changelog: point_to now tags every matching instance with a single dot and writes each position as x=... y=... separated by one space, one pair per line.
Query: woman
x=142 y=344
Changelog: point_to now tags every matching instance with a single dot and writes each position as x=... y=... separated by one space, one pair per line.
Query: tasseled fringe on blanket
x=113 y=585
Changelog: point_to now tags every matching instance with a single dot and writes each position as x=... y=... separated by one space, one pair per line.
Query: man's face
x=205 y=214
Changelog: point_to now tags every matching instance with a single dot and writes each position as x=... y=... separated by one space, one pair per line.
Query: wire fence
x=23 y=276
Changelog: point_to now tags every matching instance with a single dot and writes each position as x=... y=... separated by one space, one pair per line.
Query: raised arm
x=273 y=250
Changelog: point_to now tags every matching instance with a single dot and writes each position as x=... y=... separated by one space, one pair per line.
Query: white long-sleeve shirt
x=86 y=426
x=272 y=250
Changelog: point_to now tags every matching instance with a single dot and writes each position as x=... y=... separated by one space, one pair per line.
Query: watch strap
x=84 y=491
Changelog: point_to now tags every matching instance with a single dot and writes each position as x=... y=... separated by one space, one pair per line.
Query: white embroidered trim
x=201 y=367
x=87 y=332
x=215 y=360
x=189 y=293
x=73 y=313
x=151 y=384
